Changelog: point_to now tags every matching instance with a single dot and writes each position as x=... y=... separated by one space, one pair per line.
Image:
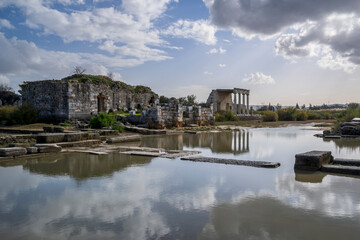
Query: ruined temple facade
x=61 y=100
x=236 y=100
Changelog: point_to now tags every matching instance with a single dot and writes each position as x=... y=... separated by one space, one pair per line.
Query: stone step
x=12 y=152
x=348 y=162
x=85 y=143
x=48 y=148
x=131 y=138
x=351 y=170
x=145 y=131
x=66 y=137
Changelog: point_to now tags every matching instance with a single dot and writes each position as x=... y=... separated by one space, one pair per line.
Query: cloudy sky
x=285 y=52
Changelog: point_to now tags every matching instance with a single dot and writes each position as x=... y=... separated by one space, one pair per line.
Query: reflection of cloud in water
x=261 y=151
x=120 y=208
x=269 y=218
x=201 y=199
x=333 y=197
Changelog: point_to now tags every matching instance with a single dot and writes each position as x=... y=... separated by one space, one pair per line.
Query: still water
x=81 y=196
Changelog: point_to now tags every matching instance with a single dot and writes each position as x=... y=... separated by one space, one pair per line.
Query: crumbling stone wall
x=171 y=115
x=59 y=100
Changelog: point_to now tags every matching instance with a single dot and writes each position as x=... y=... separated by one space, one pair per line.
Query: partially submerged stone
x=312 y=160
x=50 y=137
x=13 y=151
x=131 y=138
x=351 y=170
x=48 y=148
x=31 y=150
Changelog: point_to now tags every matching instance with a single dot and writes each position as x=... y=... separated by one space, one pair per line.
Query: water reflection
x=81 y=196
x=269 y=218
x=236 y=142
x=78 y=165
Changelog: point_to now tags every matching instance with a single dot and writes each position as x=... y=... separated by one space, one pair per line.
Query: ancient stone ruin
x=170 y=115
x=80 y=96
x=236 y=100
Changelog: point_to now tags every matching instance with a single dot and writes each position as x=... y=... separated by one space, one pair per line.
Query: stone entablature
x=62 y=100
x=236 y=100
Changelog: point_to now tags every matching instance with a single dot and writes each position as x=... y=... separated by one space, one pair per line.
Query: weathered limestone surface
x=31 y=150
x=84 y=143
x=66 y=137
x=312 y=160
x=17 y=139
x=233 y=162
x=48 y=148
x=223 y=100
x=131 y=138
x=53 y=129
x=13 y=151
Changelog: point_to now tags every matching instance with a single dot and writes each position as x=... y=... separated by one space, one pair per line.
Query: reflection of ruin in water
x=80 y=166
x=236 y=142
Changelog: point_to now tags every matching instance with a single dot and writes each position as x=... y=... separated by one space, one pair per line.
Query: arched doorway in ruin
x=101 y=103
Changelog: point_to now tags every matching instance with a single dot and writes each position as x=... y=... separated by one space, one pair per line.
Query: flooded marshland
x=117 y=196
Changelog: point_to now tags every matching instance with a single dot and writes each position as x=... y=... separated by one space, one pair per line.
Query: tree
x=5 y=88
x=79 y=70
x=164 y=100
x=353 y=105
x=191 y=99
x=310 y=106
x=303 y=106
x=110 y=75
x=297 y=106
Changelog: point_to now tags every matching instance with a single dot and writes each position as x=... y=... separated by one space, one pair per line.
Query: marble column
x=239 y=105
x=247 y=104
x=235 y=104
x=243 y=106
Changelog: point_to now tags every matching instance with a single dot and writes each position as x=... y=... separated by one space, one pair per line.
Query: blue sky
x=285 y=52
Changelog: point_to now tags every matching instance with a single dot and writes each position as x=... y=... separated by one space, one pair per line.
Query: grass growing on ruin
x=105 y=120
x=98 y=79
x=11 y=115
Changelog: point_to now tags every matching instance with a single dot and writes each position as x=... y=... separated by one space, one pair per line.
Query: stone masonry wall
x=49 y=97
x=59 y=100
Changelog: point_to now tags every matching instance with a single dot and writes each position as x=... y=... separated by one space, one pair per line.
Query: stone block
x=74 y=137
x=48 y=148
x=312 y=160
x=48 y=129
x=59 y=129
x=24 y=145
x=31 y=150
x=50 y=137
x=11 y=152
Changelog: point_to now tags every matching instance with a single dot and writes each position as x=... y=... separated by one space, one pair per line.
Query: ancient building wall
x=222 y=101
x=49 y=97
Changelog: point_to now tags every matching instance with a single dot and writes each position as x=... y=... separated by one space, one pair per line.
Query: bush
x=329 y=115
x=270 y=116
x=222 y=116
x=287 y=114
x=102 y=120
x=118 y=126
x=313 y=115
x=25 y=114
x=300 y=115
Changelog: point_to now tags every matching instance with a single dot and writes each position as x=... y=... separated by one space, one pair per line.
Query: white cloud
x=5 y=24
x=336 y=35
x=222 y=65
x=215 y=50
x=200 y=30
x=208 y=73
x=4 y=79
x=259 y=78
x=145 y=10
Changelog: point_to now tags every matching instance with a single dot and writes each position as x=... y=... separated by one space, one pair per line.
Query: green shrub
x=6 y=112
x=270 y=116
x=287 y=114
x=222 y=116
x=102 y=120
x=25 y=114
x=300 y=115
x=219 y=117
x=118 y=126
x=313 y=115
x=329 y=115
